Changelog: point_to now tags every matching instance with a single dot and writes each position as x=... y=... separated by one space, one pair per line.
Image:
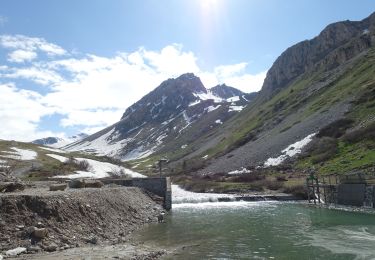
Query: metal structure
x=355 y=189
x=160 y=164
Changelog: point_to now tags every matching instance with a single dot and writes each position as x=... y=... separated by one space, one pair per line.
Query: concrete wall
x=158 y=186
x=351 y=194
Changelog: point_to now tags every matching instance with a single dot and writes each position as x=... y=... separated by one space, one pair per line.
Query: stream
x=200 y=228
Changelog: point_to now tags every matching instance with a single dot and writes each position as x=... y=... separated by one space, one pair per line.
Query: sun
x=207 y=4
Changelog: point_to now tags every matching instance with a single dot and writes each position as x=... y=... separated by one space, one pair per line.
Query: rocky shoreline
x=36 y=220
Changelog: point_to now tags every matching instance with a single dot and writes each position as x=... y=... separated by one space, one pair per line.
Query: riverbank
x=38 y=220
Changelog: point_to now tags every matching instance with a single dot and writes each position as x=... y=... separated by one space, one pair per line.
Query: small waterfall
x=180 y=196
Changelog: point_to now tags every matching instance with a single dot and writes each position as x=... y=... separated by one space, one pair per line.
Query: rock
x=92 y=240
x=16 y=251
x=93 y=184
x=50 y=247
x=11 y=186
x=76 y=184
x=33 y=249
x=29 y=231
x=40 y=233
x=40 y=225
x=57 y=187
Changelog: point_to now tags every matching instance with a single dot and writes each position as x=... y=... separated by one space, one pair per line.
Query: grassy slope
x=44 y=166
x=360 y=84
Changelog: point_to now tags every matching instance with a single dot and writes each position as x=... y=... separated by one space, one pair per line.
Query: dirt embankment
x=72 y=218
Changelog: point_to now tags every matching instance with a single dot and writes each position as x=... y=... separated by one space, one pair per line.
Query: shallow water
x=263 y=230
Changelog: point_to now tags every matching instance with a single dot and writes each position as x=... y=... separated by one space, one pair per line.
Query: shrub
x=336 y=129
x=248 y=177
x=272 y=184
x=299 y=191
x=83 y=165
x=367 y=132
x=323 y=149
x=281 y=178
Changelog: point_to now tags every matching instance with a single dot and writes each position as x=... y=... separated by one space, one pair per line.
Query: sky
x=75 y=66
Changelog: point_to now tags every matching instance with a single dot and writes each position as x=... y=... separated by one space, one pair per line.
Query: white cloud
x=20 y=113
x=21 y=42
x=92 y=92
x=21 y=56
x=39 y=75
x=234 y=75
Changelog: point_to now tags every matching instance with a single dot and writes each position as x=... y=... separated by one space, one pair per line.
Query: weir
x=356 y=189
x=160 y=186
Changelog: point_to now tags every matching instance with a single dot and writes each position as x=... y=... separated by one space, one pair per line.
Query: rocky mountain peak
x=326 y=48
x=225 y=91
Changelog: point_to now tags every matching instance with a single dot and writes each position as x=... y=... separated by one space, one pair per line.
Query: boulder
x=93 y=184
x=40 y=233
x=77 y=184
x=11 y=186
x=57 y=187
x=50 y=247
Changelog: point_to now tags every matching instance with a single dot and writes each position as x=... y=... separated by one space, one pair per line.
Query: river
x=197 y=229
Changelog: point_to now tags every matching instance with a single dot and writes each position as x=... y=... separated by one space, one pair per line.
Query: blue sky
x=70 y=66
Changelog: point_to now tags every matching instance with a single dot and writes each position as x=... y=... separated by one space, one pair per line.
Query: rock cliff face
x=337 y=43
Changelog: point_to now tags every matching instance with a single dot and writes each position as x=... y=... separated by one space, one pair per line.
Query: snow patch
x=21 y=154
x=207 y=96
x=212 y=108
x=97 y=169
x=233 y=99
x=205 y=157
x=195 y=103
x=184 y=146
x=102 y=145
x=290 y=151
x=241 y=171
x=218 y=121
x=235 y=108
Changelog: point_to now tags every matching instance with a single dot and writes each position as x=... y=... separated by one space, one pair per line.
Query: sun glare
x=207 y=4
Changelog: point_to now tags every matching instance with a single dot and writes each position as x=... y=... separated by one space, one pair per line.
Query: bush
x=78 y=165
x=248 y=177
x=300 y=191
x=367 y=132
x=323 y=149
x=336 y=129
x=272 y=184
x=83 y=165
x=281 y=178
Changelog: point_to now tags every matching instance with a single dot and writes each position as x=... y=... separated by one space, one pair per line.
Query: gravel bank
x=72 y=218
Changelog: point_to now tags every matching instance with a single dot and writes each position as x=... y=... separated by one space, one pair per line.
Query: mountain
x=327 y=82
x=58 y=142
x=312 y=85
x=174 y=114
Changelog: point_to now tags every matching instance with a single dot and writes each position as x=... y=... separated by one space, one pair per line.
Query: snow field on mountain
x=97 y=169
x=290 y=151
x=20 y=154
